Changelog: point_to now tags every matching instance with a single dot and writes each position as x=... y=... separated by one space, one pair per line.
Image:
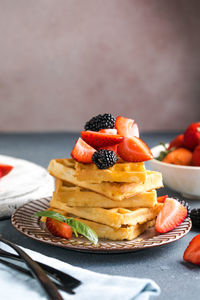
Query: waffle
x=64 y=169
x=115 y=217
x=107 y=232
x=76 y=196
x=122 y=233
x=120 y=172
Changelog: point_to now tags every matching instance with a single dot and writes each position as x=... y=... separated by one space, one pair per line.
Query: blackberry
x=195 y=217
x=100 y=122
x=185 y=203
x=104 y=159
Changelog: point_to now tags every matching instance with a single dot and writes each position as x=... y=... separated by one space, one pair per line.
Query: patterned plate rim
x=30 y=226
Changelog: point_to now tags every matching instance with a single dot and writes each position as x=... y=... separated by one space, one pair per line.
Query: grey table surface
x=164 y=264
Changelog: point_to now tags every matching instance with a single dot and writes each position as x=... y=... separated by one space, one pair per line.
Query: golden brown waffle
x=64 y=169
x=76 y=196
x=107 y=232
x=115 y=217
x=120 y=172
x=122 y=233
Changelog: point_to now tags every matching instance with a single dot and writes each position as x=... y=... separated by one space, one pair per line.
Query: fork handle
x=63 y=278
x=46 y=283
x=28 y=273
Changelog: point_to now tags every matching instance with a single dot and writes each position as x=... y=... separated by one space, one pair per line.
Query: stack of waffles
x=119 y=203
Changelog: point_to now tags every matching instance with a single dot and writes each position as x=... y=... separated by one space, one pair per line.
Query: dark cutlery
x=48 y=286
x=63 y=278
x=27 y=272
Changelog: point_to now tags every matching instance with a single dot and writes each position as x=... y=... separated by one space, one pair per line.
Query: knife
x=48 y=286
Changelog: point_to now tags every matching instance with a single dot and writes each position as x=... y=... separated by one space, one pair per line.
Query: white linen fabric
x=27 y=181
x=14 y=285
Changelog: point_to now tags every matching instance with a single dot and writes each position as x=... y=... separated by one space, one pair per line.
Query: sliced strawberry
x=134 y=149
x=5 y=169
x=162 y=199
x=126 y=127
x=109 y=131
x=177 y=142
x=171 y=215
x=196 y=156
x=112 y=148
x=99 y=140
x=82 y=152
x=58 y=228
x=192 y=136
x=192 y=252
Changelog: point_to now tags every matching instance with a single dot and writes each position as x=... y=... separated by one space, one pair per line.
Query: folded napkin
x=14 y=285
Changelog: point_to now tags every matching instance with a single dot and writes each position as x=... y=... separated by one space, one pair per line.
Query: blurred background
x=63 y=62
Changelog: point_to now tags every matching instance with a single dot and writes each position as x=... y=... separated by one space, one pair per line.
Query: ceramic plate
x=32 y=227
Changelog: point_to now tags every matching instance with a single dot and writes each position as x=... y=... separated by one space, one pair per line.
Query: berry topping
x=177 y=142
x=111 y=148
x=109 y=131
x=99 y=140
x=196 y=156
x=5 y=169
x=58 y=228
x=126 y=127
x=134 y=149
x=104 y=159
x=82 y=152
x=195 y=217
x=100 y=122
x=192 y=252
x=192 y=136
x=171 y=215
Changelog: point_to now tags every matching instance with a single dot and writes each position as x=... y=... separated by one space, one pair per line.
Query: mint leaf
x=78 y=227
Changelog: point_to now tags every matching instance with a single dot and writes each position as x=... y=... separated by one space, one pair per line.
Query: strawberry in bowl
x=179 y=162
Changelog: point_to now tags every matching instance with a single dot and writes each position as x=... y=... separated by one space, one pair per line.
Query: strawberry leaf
x=77 y=227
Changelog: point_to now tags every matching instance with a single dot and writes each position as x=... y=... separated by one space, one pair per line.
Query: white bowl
x=183 y=179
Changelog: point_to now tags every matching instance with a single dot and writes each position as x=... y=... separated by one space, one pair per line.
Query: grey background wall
x=63 y=61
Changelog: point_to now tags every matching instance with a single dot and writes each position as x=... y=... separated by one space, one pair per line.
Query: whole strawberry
x=192 y=252
x=177 y=142
x=196 y=156
x=192 y=136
